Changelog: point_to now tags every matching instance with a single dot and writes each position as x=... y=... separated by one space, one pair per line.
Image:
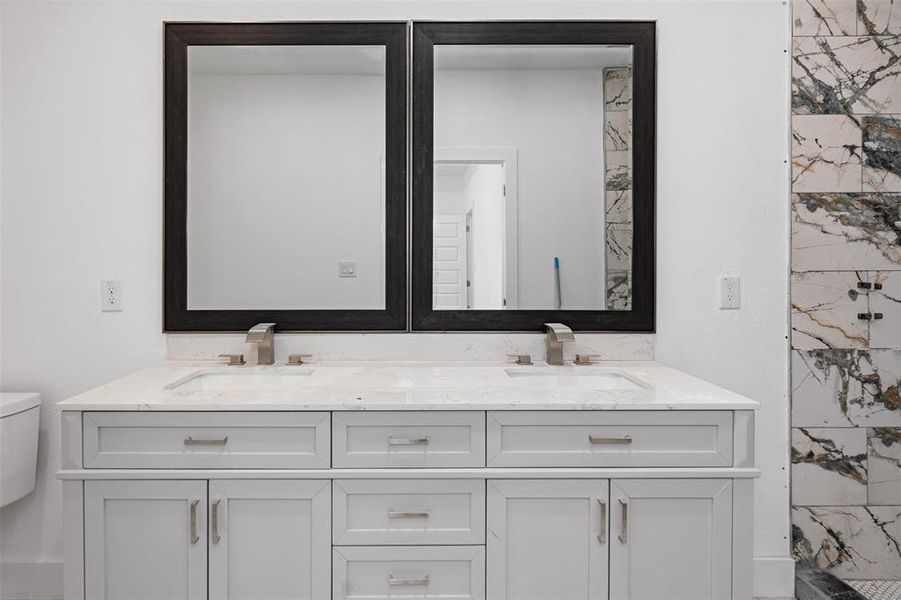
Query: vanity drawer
x=206 y=440
x=375 y=572
x=610 y=439
x=401 y=511
x=408 y=439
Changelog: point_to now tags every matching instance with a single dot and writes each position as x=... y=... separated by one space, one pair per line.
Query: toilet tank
x=19 y=418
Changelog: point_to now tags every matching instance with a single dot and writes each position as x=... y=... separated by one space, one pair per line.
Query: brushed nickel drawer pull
x=408 y=441
x=609 y=441
x=624 y=523
x=397 y=581
x=215 y=522
x=602 y=534
x=194 y=537
x=192 y=441
x=400 y=514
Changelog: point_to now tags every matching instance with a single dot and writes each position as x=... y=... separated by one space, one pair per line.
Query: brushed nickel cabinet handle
x=192 y=441
x=601 y=441
x=397 y=581
x=624 y=523
x=408 y=441
x=215 y=522
x=400 y=514
x=194 y=537
x=602 y=534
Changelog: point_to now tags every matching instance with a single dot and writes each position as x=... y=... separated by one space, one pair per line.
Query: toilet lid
x=12 y=403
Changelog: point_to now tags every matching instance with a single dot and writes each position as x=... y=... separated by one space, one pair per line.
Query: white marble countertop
x=374 y=385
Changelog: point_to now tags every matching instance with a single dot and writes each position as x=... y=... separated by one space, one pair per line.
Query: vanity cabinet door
x=547 y=539
x=145 y=540
x=270 y=539
x=671 y=538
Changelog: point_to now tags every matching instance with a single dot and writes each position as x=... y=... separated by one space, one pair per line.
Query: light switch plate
x=347 y=268
x=112 y=295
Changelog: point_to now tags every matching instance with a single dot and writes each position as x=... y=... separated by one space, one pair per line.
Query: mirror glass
x=286 y=177
x=532 y=177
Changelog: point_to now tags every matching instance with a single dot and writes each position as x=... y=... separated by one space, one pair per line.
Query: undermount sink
x=248 y=381
x=573 y=380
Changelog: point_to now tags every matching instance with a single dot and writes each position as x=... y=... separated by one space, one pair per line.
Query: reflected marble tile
x=878 y=17
x=841 y=388
x=884 y=461
x=618 y=170
x=617 y=89
x=826 y=154
x=619 y=290
x=882 y=154
x=618 y=212
x=846 y=75
x=824 y=309
x=619 y=248
x=618 y=130
x=824 y=17
x=854 y=542
x=846 y=231
x=885 y=299
x=829 y=466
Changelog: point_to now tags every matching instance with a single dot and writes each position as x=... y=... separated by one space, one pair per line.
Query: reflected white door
x=671 y=538
x=449 y=262
x=145 y=540
x=270 y=540
x=547 y=539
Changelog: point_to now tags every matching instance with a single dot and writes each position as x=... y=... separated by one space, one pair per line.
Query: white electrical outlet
x=112 y=295
x=347 y=268
x=730 y=292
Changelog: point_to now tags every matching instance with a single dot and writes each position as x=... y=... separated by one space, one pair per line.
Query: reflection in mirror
x=532 y=177
x=286 y=171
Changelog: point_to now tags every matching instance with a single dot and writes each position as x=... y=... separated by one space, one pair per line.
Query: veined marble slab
x=846 y=75
x=878 y=17
x=824 y=17
x=826 y=153
x=886 y=332
x=882 y=154
x=832 y=231
x=846 y=388
x=854 y=542
x=824 y=309
x=412 y=386
x=829 y=466
x=884 y=465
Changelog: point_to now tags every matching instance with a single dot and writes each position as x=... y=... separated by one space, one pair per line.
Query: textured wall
x=846 y=286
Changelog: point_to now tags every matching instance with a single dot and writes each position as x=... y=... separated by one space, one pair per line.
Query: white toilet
x=19 y=417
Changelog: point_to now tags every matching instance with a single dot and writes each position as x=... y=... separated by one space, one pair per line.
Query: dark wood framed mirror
x=285 y=176
x=533 y=175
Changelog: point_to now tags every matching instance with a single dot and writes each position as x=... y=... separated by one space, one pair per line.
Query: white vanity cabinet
x=439 y=504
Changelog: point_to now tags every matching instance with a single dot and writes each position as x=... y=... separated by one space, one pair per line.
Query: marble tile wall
x=618 y=187
x=846 y=286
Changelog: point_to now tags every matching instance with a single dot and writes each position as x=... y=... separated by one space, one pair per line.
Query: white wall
x=560 y=168
x=81 y=145
x=285 y=179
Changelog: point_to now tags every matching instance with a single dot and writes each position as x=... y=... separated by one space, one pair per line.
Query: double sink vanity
x=526 y=199
x=408 y=480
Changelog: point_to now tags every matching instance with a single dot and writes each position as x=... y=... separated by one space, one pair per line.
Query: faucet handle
x=234 y=359
x=585 y=359
x=298 y=359
x=521 y=359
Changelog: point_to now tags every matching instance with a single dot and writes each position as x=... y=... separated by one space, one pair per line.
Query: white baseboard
x=31 y=580
x=774 y=577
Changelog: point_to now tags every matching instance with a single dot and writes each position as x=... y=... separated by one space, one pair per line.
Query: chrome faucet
x=262 y=335
x=557 y=333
